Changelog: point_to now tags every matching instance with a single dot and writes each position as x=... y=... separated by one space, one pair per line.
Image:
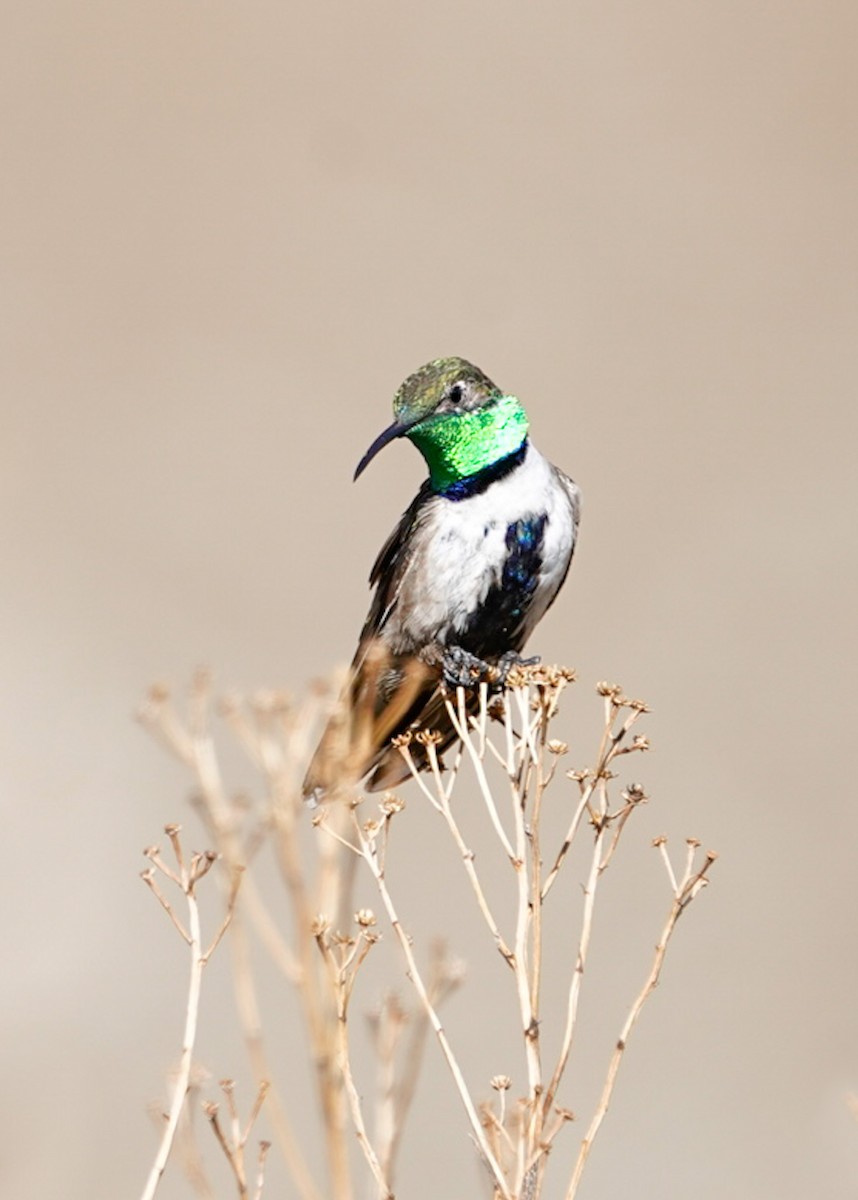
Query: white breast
x=460 y=547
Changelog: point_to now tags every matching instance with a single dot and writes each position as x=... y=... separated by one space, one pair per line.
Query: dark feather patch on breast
x=498 y=625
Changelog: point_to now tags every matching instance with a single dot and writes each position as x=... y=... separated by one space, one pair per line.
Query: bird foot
x=509 y=661
x=460 y=668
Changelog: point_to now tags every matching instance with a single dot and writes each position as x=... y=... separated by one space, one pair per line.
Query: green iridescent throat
x=458 y=445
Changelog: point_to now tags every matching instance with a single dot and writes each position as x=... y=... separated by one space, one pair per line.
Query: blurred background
x=228 y=232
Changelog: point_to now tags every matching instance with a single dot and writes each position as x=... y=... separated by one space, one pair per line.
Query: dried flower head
x=579 y=776
x=365 y=917
x=428 y=737
x=635 y=794
x=518 y=677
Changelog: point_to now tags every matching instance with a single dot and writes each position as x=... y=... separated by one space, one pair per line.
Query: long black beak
x=397 y=429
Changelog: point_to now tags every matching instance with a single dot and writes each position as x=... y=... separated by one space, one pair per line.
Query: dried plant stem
x=264 y=1147
x=367 y=850
x=529 y=1021
x=342 y=985
x=234 y=1143
x=388 y=1027
x=608 y=749
x=688 y=888
x=397 y=1087
x=441 y=803
x=187 y=878
x=260 y=738
x=578 y=972
x=183 y=1075
x=251 y=1025
x=524 y=857
x=459 y=717
x=534 y=899
x=319 y=1011
x=199 y=745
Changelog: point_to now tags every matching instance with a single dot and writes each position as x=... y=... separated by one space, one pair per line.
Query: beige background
x=228 y=232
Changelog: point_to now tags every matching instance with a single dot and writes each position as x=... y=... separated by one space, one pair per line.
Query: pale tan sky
x=228 y=232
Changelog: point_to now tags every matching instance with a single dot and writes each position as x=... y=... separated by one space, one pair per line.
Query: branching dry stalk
x=691 y=883
x=366 y=845
x=400 y=1057
x=234 y=1140
x=520 y=1139
x=508 y=754
x=186 y=876
x=344 y=957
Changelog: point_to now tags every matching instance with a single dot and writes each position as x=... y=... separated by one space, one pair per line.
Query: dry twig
x=186 y=876
x=234 y=1141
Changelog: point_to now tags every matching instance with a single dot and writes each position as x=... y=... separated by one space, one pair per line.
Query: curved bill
x=397 y=429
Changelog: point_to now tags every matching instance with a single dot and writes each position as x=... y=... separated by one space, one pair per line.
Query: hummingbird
x=476 y=560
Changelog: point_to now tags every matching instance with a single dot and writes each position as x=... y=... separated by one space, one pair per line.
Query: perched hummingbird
x=473 y=565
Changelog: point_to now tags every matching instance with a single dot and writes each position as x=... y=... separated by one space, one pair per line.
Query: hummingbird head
x=443 y=386
x=457 y=418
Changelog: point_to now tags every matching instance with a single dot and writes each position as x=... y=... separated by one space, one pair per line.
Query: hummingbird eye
x=456 y=392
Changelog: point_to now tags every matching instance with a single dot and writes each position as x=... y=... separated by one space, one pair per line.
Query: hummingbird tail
x=382 y=697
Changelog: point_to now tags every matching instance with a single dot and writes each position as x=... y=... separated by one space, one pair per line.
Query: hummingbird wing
x=387 y=688
x=388 y=570
x=407 y=689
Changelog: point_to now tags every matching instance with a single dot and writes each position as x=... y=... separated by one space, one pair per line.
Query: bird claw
x=460 y=668
x=510 y=661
